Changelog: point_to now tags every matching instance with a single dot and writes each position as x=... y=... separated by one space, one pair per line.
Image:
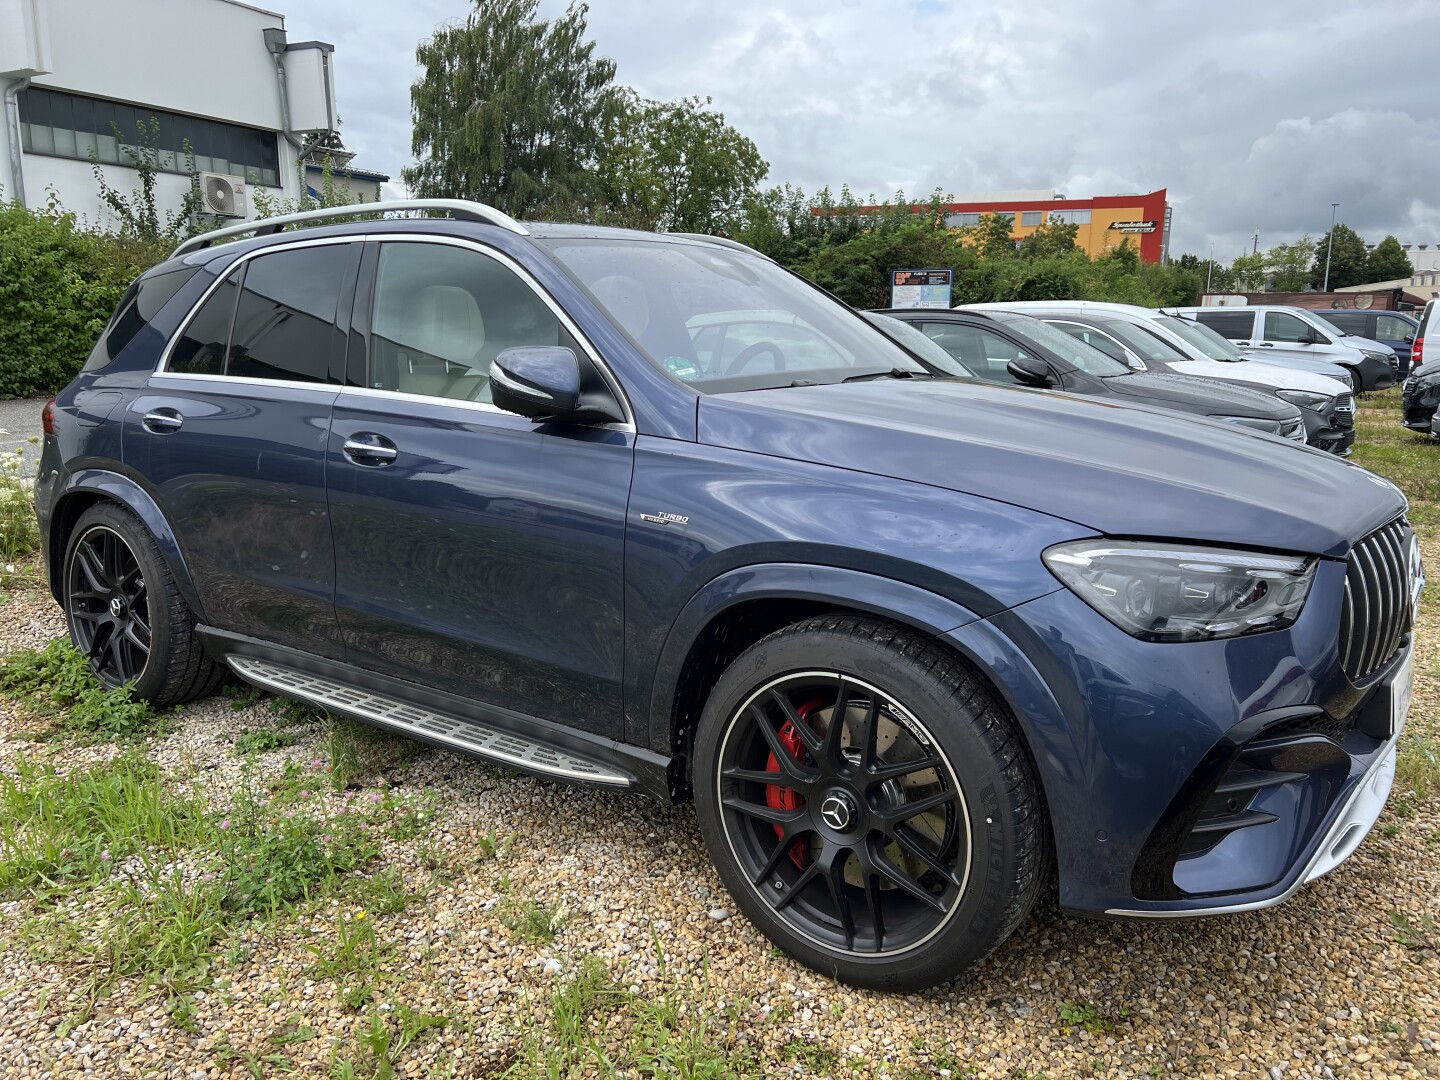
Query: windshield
x=1070 y=349
x=721 y=320
x=1209 y=342
x=921 y=344
x=1142 y=342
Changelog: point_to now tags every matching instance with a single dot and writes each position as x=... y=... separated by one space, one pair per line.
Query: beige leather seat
x=441 y=335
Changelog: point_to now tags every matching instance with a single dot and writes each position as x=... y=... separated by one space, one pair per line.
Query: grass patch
x=531 y=920
x=262 y=741
x=354 y=960
x=56 y=683
x=359 y=753
x=1087 y=1016
x=1417 y=766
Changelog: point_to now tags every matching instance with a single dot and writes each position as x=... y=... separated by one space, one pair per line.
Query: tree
x=511 y=109
x=1248 y=273
x=1212 y=276
x=138 y=214
x=1387 y=262
x=994 y=237
x=675 y=166
x=1347 y=259
x=1290 y=264
x=1054 y=237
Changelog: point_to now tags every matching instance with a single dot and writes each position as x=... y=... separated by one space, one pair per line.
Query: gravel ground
x=19 y=422
x=1326 y=985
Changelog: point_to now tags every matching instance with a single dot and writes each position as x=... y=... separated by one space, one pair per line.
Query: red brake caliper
x=784 y=798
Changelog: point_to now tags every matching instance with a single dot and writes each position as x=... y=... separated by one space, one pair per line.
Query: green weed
x=57 y=682
x=262 y=740
x=533 y=921
x=1418 y=766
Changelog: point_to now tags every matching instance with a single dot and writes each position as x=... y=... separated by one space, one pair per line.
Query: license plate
x=1400 y=691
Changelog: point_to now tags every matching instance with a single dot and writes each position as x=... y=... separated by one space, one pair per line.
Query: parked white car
x=1265 y=330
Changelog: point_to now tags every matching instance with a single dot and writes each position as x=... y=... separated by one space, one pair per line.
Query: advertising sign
x=921 y=288
x=1135 y=226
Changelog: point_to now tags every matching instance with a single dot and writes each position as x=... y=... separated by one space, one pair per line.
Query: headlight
x=1305 y=399
x=1379 y=356
x=1259 y=423
x=1165 y=592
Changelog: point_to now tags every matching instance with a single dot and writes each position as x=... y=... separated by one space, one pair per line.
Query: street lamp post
x=1329 y=246
x=1210 y=269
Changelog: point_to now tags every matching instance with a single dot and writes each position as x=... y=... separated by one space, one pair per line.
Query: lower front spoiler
x=1351 y=825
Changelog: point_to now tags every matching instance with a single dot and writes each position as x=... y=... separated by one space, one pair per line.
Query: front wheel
x=126 y=615
x=868 y=803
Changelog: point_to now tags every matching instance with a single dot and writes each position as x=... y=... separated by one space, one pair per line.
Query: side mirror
x=539 y=382
x=1136 y=364
x=1030 y=371
x=1305 y=339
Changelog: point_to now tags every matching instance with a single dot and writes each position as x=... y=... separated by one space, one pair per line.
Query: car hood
x=1206 y=397
x=1117 y=469
x=1365 y=344
x=1261 y=374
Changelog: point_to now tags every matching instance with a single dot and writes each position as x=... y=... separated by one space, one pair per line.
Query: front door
x=230 y=438
x=1289 y=335
x=476 y=552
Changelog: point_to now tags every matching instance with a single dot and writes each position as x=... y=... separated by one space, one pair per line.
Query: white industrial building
x=218 y=76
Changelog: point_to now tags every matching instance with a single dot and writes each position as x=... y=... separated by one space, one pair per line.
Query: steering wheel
x=751 y=352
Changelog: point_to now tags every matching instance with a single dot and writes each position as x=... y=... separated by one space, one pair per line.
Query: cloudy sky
x=1255 y=114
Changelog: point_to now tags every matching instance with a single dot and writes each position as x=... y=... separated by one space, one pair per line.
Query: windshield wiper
x=893 y=373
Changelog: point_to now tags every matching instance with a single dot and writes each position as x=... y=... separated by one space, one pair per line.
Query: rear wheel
x=125 y=613
x=868 y=803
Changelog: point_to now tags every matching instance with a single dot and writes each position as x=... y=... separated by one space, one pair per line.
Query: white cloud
x=1251 y=114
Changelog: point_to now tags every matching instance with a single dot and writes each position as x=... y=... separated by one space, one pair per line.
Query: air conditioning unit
x=224 y=195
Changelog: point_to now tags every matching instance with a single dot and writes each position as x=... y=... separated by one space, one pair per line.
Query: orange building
x=1104 y=221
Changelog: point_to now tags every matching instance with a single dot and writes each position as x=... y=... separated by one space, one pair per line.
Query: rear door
x=229 y=437
x=1234 y=324
x=476 y=552
x=1395 y=331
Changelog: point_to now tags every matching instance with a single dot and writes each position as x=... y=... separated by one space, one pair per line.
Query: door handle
x=163 y=421
x=1267 y=344
x=366 y=448
x=1242 y=343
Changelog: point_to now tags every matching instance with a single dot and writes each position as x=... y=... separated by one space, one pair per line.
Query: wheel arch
x=740 y=607
x=91 y=486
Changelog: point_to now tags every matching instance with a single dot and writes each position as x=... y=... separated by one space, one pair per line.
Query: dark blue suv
x=650 y=512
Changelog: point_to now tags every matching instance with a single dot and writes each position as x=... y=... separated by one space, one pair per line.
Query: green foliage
x=1290 y=264
x=1248 y=272
x=19 y=531
x=353 y=960
x=1348 y=259
x=261 y=740
x=994 y=237
x=1418 y=766
x=1387 y=261
x=1211 y=275
x=533 y=921
x=1054 y=237
x=56 y=681
x=673 y=166
x=511 y=109
x=58 y=287
x=138 y=213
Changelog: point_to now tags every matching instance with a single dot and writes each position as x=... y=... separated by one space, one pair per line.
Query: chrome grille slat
x=1377 y=612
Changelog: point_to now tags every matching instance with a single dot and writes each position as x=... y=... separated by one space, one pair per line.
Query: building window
x=74 y=126
x=1070 y=217
x=962 y=221
x=1029 y=217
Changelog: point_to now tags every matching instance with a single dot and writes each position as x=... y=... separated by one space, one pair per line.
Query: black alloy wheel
x=108 y=604
x=843 y=814
x=869 y=802
x=126 y=613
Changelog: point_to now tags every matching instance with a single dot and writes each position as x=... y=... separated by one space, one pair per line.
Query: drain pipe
x=12 y=131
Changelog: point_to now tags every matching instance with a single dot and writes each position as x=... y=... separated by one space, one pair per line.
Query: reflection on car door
x=231 y=436
x=476 y=552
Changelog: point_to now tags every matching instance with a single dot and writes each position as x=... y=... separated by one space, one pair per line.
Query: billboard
x=921 y=288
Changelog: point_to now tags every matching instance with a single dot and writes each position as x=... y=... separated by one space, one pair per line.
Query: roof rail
x=723 y=241
x=460 y=209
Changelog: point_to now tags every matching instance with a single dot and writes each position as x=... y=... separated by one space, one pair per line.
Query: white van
x=1263 y=330
x=1429 y=327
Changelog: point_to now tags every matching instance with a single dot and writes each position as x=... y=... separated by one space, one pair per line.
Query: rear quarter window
x=1235 y=325
x=138 y=308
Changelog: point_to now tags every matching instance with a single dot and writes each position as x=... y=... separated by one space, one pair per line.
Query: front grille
x=1344 y=414
x=1406 y=389
x=1295 y=430
x=1376 y=614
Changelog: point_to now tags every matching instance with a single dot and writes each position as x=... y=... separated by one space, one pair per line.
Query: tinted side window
x=1391 y=328
x=443 y=313
x=285 y=321
x=1282 y=326
x=142 y=303
x=1235 y=325
x=201 y=349
x=1352 y=322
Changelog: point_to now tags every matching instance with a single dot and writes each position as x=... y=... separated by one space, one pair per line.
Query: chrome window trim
x=162 y=370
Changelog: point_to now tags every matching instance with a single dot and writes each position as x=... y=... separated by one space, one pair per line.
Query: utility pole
x=1210 y=267
x=1256 y=249
x=1329 y=246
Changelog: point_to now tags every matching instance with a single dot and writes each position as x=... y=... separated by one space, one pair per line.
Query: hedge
x=59 y=285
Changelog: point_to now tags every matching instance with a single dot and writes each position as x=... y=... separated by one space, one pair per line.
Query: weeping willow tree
x=511 y=109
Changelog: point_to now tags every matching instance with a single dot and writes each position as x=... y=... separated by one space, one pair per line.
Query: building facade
x=215 y=83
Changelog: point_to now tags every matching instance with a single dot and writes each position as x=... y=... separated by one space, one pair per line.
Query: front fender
x=85 y=486
x=895 y=600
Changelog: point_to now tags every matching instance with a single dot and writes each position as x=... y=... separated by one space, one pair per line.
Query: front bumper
x=1378 y=374
x=1418 y=403
x=1198 y=778
x=1332 y=429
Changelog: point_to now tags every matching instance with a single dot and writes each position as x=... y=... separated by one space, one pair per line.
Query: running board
x=426 y=724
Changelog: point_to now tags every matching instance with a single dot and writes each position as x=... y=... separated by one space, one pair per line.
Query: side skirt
x=517 y=741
